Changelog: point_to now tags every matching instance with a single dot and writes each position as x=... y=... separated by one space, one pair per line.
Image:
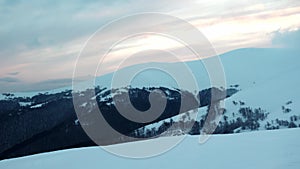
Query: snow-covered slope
x=242 y=66
x=265 y=149
x=268 y=79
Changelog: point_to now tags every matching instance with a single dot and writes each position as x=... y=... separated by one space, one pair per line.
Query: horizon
x=68 y=86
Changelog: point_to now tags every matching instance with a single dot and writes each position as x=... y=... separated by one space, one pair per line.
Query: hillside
x=267 y=99
x=264 y=149
x=268 y=96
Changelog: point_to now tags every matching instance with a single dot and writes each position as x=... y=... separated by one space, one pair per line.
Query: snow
x=24 y=104
x=2 y=97
x=263 y=149
x=38 y=105
x=270 y=74
x=33 y=93
x=83 y=104
x=76 y=122
x=267 y=79
x=94 y=97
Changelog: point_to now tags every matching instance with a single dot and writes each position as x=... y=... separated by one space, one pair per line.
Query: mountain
x=264 y=83
x=48 y=122
x=268 y=96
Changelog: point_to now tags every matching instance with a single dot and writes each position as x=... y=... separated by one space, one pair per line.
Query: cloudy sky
x=40 y=40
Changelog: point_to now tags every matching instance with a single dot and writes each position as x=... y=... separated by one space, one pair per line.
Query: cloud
x=52 y=33
x=13 y=73
x=289 y=39
x=48 y=84
x=9 y=84
x=9 y=80
x=42 y=39
x=57 y=22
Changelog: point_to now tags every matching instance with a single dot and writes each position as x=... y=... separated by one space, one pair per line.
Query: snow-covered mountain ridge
x=268 y=98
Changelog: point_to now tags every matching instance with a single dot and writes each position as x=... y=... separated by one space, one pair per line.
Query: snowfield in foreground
x=257 y=150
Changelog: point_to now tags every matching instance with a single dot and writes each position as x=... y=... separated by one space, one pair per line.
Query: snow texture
x=263 y=149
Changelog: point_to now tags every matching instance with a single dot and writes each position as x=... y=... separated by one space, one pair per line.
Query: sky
x=40 y=40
